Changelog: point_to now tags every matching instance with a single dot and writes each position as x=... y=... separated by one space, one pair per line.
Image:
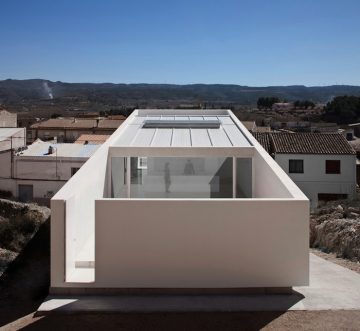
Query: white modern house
x=323 y=165
x=36 y=172
x=179 y=199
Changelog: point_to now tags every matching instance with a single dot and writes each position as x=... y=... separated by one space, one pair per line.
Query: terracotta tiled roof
x=68 y=123
x=92 y=138
x=77 y=123
x=117 y=117
x=110 y=124
x=311 y=143
x=305 y=143
x=264 y=139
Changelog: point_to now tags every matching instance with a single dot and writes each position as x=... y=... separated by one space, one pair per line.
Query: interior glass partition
x=181 y=177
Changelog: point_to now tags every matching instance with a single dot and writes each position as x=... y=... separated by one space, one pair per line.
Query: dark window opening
x=331 y=196
x=74 y=171
x=296 y=166
x=333 y=166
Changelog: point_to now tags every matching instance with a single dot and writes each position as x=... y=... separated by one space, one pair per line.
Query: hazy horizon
x=146 y=83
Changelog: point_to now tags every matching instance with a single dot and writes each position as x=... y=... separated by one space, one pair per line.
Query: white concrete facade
x=206 y=237
x=314 y=180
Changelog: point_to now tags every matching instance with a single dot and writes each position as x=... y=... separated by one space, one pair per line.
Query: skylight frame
x=181 y=124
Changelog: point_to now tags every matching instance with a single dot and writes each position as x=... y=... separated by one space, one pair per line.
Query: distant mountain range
x=14 y=91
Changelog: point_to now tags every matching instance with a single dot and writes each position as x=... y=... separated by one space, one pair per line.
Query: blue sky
x=254 y=42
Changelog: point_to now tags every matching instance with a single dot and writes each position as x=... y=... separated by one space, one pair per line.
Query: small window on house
x=74 y=171
x=333 y=166
x=296 y=166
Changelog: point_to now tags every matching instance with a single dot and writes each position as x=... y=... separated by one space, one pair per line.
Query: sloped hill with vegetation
x=17 y=90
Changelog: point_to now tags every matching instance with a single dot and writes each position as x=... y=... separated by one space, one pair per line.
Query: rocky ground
x=335 y=228
x=18 y=224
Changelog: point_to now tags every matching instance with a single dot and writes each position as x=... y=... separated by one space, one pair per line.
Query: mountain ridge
x=12 y=91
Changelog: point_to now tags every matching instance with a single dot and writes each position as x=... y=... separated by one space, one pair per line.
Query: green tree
x=343 y=109
x=267 y=102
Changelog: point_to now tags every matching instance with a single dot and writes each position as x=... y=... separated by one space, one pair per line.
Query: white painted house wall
x=7 y=119
x=5 y=164
x=314 y=180
x=46 y=176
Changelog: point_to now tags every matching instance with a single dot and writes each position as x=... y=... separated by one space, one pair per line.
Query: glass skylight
x=203 y=124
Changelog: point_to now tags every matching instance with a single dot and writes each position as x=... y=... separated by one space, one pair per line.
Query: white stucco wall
x=42 y=168
x=43 y=190
x=314 y=180
x=45 y=176
x=5 y=164
x=210 y=243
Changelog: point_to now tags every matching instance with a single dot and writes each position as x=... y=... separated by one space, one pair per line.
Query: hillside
x=16 y=91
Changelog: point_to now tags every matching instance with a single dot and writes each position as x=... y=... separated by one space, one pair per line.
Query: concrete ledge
x=61 y=291
x=332 y=287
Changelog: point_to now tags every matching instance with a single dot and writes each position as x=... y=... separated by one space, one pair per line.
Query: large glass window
x=181 y=177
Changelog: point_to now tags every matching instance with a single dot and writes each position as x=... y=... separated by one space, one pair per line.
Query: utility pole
x=12 y=158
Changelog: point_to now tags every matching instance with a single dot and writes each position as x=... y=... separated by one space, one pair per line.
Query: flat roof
x=203 y=134
x=41 y=148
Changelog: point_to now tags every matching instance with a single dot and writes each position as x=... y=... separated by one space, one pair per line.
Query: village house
x=301 y=126
x=38 y=171
x=322 y=127
x=323 y=165
x=282 y=106
x=70 y=129
x=252 y=127
x=179 y=199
